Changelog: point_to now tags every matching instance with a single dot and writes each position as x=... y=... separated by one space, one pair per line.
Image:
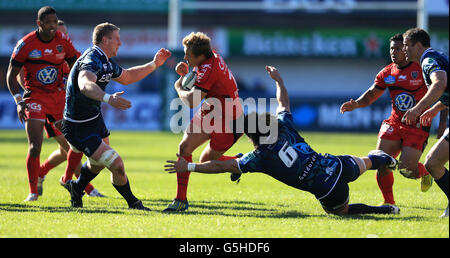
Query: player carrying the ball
x=214 y=81
x=292 y=161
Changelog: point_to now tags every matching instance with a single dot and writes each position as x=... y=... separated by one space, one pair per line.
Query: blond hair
x=199 y=43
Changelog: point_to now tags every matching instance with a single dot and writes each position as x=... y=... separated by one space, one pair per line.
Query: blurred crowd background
x=326 y=55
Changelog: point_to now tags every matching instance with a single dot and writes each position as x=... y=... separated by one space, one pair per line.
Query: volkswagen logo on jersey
x=47 y=75
x=404 y=101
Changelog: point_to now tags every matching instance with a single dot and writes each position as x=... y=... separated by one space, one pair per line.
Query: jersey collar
x=100 y=51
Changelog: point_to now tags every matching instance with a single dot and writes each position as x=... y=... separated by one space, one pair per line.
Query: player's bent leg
x=410 y=167
x=435 y=161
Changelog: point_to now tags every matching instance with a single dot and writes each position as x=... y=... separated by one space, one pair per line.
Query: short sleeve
x=205 y=77
x=250 y=162
x=430 y=65
x=91 y=64
x=117 y=69
x=380 y=81
x=19 y=54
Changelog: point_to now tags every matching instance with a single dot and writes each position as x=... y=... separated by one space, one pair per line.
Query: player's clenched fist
x=182 y=68
x=161 y=56
x=117 y=101
x=349 y=106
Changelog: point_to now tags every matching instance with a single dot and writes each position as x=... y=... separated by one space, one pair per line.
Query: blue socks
x=443 y=182
x=126 y=193
x=86 y=176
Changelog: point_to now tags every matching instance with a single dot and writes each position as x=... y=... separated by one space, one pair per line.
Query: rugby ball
x=188 y=80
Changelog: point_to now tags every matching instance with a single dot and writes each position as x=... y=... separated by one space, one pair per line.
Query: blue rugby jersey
x=80 y=108
x=432 y=61
x=292 y=161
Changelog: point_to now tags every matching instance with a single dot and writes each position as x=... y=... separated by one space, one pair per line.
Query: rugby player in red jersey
x=214 y=83
x=42 y=54
x=406 y=86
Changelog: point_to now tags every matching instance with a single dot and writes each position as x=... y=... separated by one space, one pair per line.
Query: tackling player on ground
x=83 y=124
x=214 y=81
x=42 y=55
x=406 y=87
x=435 y=68
x=292 y=161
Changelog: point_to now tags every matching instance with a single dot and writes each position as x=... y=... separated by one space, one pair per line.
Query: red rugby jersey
x=406 y=87
x=43 y=62
x=214 y=78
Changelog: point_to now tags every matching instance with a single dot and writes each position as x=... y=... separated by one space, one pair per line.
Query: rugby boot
x=394 y=209
x=445 y=214
x=177 y=206
x=61 y=182
x=40 y=185
x=393 y=163
x=138 y=206
x=31 y=197
x=75 y=197
x=426 y=182
x=236 y=177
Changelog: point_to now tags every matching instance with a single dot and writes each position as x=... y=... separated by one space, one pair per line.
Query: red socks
x=33 y=172
x=385 y=184
x=422 y=171
x=182 y=182
x=73 y=160
x=44 y=168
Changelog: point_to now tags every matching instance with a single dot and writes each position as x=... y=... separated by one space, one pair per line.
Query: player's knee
x=184 y=148
x=431 y=164
x=34 y=149
x=118 y=167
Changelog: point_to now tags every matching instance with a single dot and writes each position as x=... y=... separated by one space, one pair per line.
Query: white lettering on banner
x=255 y=43
x=330 y=117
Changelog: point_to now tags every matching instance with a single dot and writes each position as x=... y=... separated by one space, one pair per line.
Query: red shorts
x=48 y=108
x=416 y=138
x=221 y=137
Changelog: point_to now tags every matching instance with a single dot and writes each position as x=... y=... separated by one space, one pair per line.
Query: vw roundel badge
x=47 y=75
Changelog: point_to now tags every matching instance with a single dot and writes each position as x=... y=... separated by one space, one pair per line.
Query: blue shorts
x=339 y=195
x=86 y=136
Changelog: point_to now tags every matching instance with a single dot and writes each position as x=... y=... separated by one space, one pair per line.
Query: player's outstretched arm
x=14 y=89
x=209 y=167
x=366 y=99
x=137 y=73
x=282 y=94
x=88 y=87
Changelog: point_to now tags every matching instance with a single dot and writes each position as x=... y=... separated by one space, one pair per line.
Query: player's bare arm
x=137 y=73
x=209 y=167
x=436 y=89
x=86 y=82
x=366 y=99
x=191 y=98
x=14 y=89
x=282 y=94
x=427 y=116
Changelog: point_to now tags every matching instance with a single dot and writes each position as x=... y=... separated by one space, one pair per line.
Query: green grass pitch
x=257 y=207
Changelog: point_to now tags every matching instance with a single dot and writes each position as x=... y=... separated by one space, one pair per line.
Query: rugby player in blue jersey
x=435 y=69
x=292 y=161
x=83 y=124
